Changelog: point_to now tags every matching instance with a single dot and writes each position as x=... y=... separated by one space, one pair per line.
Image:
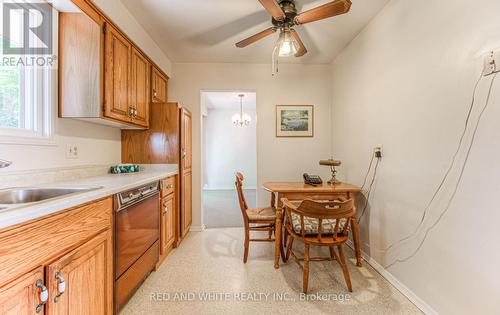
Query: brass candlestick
x=332 y=163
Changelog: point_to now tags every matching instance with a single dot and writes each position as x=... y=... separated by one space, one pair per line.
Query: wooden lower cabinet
x=169 y=217
x=69 y=255
x=85 y=273
x=167 y=224
x=22 y=295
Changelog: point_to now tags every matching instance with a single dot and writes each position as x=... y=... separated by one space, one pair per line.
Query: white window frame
x=44 y=112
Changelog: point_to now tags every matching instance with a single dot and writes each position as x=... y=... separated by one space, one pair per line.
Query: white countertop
x=110 y=184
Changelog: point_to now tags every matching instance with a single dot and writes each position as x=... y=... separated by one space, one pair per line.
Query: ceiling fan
x=285 y=17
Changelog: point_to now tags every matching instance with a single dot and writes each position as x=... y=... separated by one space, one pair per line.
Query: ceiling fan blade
x=256 y=37
x=325 y=11
x=302 y=50
x=274 y=9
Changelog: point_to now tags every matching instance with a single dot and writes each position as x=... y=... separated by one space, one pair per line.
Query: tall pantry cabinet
x=167 y=141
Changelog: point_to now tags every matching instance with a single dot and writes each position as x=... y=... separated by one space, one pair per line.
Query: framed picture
x=294 y=120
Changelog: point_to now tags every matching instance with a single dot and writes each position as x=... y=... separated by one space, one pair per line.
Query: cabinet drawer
x=26 y=246
x=168 y=186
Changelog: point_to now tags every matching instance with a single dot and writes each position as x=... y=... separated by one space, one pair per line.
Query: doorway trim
x=202 y=145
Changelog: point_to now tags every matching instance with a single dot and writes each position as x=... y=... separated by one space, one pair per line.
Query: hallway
x=221 y=207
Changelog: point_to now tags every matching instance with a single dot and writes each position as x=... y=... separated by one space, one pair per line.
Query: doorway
x=229 y=146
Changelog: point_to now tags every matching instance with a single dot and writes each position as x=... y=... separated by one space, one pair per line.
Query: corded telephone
x=312 y=179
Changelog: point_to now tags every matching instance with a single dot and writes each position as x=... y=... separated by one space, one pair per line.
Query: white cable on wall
x=441 y=185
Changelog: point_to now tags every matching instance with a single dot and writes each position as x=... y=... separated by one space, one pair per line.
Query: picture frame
x=294 y=121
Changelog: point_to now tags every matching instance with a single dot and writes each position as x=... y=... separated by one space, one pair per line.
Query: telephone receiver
x=312 y=179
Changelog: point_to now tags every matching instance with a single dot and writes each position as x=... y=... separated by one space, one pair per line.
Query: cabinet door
x=186 y=171
x=22 y=296
x=159 y=87
x=187 y=208
x=117 y=73
x=187 y=139
x=87 y=276
x=167 y=224
x=139 y=92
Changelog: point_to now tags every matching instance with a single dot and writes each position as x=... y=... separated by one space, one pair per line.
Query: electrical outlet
x=491 y=62
x=71 y=151
x=378 y=151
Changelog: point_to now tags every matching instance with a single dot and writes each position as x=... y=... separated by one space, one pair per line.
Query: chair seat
x=261 y=214
x=311 y=225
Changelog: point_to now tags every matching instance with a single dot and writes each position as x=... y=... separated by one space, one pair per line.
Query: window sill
x=34 y=141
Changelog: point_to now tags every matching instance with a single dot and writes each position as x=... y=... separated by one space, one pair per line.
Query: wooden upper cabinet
x=103 y=76
x=22 y=295
x=81 y=47
x=158 y=87
x=140 y=88
x=118 y=54
x=87 y=276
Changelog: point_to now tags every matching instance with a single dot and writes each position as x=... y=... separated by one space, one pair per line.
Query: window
x=27 y=79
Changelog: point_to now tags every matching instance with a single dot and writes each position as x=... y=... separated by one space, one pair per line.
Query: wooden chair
x=255 y=219
x=319 y=224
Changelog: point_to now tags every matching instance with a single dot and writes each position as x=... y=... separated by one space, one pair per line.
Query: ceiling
x=206 y=30
x=229 y=100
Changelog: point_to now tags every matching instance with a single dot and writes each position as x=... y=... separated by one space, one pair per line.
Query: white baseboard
x=421 y=304
x=227 y=188
x=197 y=228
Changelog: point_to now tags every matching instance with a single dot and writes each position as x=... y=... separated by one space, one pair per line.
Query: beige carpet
x=210 y=262
x=221 y=208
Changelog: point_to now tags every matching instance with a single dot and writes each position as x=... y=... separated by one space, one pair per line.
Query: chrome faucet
x=4 y=163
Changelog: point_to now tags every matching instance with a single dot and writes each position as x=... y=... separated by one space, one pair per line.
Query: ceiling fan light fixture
x=287 y=46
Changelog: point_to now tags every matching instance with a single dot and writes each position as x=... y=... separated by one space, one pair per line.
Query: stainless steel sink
x=15 y=196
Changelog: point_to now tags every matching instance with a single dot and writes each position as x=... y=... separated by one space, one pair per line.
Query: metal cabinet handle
x=170 y=186
x=183 y=153
x=61 y=287
x=154 y=93
x=132 y=112
x=43 y=296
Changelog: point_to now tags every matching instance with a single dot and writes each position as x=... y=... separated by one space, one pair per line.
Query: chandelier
x=241 y=119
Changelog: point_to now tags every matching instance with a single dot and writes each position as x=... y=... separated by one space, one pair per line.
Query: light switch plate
x=71 y=151
x=492 y=62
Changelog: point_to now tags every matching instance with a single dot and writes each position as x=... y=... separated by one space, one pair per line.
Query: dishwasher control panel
x=133 y=196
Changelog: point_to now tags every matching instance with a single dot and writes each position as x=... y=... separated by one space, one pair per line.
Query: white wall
x=277 y=158
x=229 y=149
x=119 y=14
x=98 y=145
x=406 y=82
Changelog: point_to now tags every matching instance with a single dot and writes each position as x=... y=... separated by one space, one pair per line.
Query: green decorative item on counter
x=125 y=168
